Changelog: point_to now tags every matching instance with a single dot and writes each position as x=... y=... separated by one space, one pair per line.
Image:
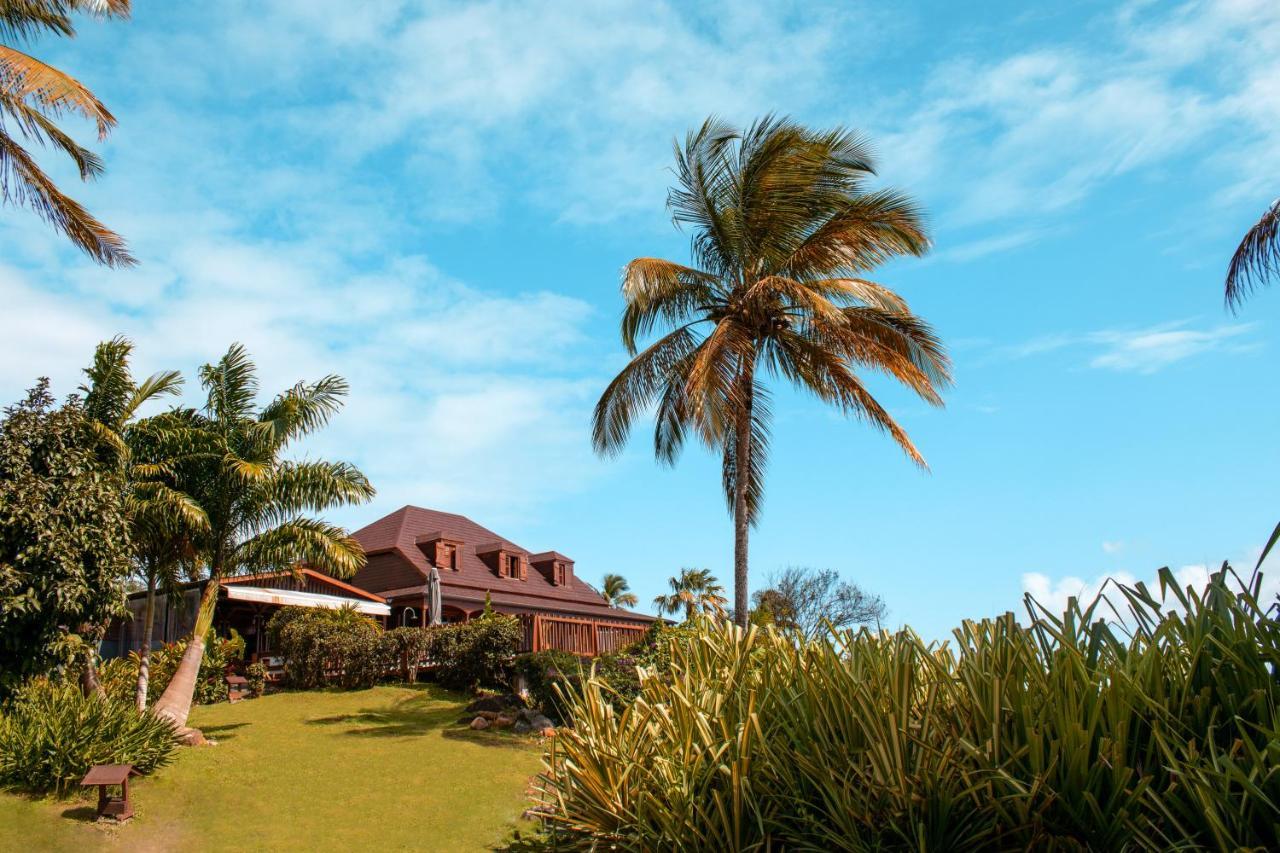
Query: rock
x=549 y=731
x=479 y=723
x=504 y=721
x=191 y=737
x=497 y=703
x=521 y=727
x=541 y=723
x=488 y=715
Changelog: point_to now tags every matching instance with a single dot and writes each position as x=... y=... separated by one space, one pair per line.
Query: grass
x=386 y=768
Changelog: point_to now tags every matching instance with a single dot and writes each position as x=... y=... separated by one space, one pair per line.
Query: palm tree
x=616 y=592
x=132 y=444
x=784 y=231
x=1257 y=258
x=694 y=591
x=256 y=501
x=32 y=95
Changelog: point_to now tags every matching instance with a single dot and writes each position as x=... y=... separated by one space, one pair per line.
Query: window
x=513 y=565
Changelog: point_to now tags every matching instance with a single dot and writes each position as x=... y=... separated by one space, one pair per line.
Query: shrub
x=51 y=734
x=320 y=646
x=255 y=675
x=475 y=654
x=211 y=684
x=1064 y=733
x=407 y=649
x=547 y=675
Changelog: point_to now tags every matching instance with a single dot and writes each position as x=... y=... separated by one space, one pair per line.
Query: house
x=559 y=609
x=245 y=605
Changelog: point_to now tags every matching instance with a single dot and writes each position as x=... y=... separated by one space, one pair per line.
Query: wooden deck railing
x=580 y=636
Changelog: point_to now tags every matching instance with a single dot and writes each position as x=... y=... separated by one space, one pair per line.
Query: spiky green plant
x=1068 y=732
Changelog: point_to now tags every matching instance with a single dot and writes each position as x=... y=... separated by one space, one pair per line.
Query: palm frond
x=309 y=541
x=1257 y=259
x=23 y=77
x=26 y=19
x=658 y=291
x=757 y=456
x=23 y=182
x=304 y=408
x=36 y=125
x=635 y=388
x=231 y=385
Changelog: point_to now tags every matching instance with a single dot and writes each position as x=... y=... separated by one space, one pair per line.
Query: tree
x=255 y=500
x=162 y=518
x=784 y=232
x=694 y=591
x=809 y=600
x=64 y=537
x=33 y=95
x=1257 y=259
x=616 y=592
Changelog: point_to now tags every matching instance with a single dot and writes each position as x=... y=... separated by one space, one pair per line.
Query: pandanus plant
x=785 y=231
x=258 y=503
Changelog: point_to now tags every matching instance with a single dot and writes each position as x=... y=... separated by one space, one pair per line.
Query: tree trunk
x=144 y=653
x=89 y=682
x=741 y=521
x=175 y=703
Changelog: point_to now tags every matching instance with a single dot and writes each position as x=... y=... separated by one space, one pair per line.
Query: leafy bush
x=51 y=734
x=547 y=675
x=255 y=675
x=211 y=684
x=617 y=673
x=1064 y=733
x=320 y=646
x=475 y=654
x=407 y=648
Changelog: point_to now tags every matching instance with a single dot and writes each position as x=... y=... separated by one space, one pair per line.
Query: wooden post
x=595 y=638
x=537 y=633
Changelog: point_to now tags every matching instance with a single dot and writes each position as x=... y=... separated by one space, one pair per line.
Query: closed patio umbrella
x=433 y=598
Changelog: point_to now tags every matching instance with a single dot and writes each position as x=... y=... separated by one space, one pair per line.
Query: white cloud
x=1145 y=350
x=1053 y=593
x=1112 y=547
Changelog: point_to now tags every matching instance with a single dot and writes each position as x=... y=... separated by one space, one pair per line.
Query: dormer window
x=554 y=566
x=443 y=552
x=504 y=560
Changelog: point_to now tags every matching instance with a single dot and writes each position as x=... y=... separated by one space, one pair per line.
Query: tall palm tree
x=1257 y=258
x=694 y=591
x=32 y=96
x=134 y=445
x=256 y=501
x=784 y=231
x=616 y=592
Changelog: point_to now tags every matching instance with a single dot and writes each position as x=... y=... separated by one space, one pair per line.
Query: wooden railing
x=579 y=636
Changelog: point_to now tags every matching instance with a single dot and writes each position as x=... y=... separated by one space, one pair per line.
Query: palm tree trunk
x=741 y=518
x=175 y=702
x=89 y=681
x=144 y=653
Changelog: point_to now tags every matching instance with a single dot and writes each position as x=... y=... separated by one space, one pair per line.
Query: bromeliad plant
x=1064 y=733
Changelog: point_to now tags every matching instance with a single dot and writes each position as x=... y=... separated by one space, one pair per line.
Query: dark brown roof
x=401 y=531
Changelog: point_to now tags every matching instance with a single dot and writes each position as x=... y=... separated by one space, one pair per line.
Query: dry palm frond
x=1257 y=259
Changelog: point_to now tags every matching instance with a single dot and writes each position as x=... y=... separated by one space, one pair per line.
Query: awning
x=284 y=597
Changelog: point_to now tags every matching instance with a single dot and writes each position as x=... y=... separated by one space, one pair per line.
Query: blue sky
x=435 y=200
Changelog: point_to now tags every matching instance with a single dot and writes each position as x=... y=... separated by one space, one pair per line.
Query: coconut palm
x=784 y=231
x=694 y=591
x=616 y=592
x=1257 y=259
x=258 y=502
x=142 y=449
x=32 y=96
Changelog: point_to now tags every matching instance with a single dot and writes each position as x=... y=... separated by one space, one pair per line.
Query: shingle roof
x=400 y=531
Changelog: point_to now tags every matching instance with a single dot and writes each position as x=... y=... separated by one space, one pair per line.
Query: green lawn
x=383 y=768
